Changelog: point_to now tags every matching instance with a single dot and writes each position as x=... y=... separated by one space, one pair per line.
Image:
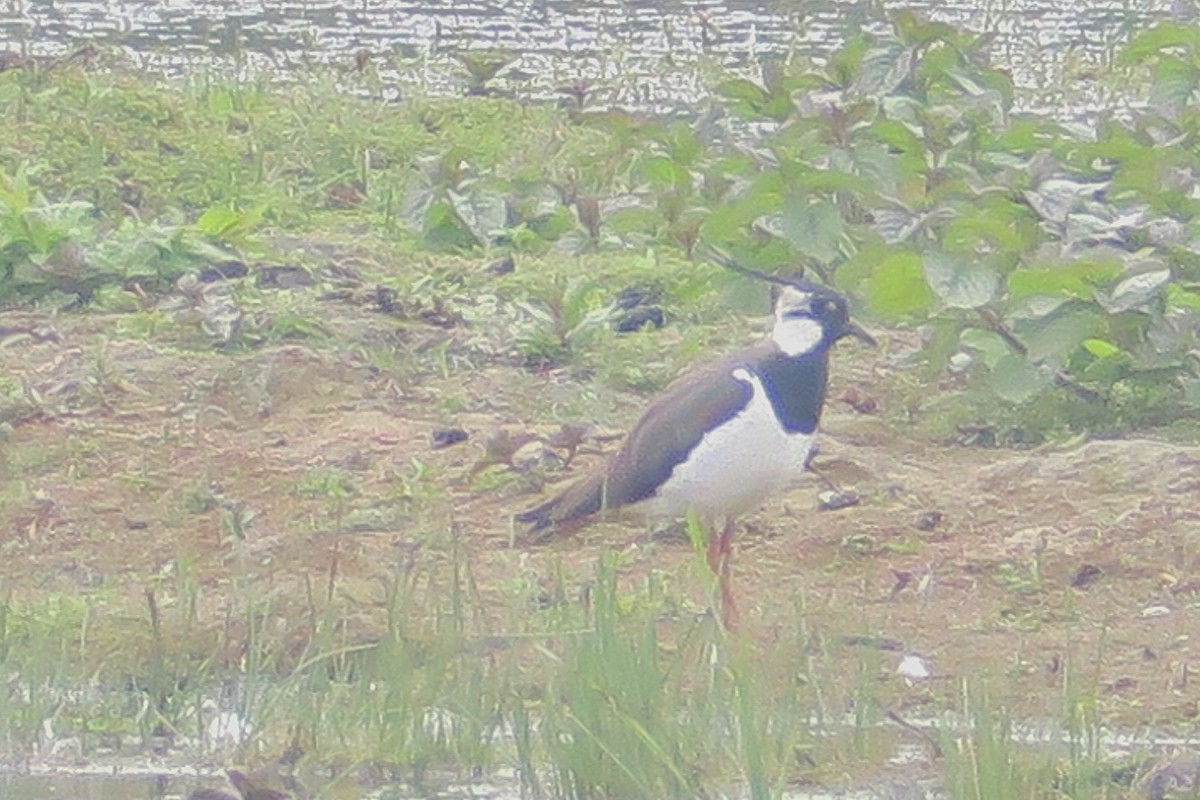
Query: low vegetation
x=1045 y=273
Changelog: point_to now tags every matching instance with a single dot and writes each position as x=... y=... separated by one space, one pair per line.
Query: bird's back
x=670 y=430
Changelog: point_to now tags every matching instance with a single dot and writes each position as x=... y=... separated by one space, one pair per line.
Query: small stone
x=913 y=668
x=929 y=520
x=633 y=296
x=830 y=500
x=501 y=266
x=283 y=277
x=861 y=403
x=226 y=270
x=1086 y=575
x=638 y=318
x=446 y=437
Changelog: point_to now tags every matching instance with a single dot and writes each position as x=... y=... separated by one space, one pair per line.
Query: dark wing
x=670 y=429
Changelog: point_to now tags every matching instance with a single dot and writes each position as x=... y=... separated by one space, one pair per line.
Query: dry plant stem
x=934 y=748
x=997 y=326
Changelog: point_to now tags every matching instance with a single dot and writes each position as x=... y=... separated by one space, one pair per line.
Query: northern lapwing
x=723 y=437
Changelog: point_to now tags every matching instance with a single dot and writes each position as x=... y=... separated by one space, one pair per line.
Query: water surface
x=650 y=53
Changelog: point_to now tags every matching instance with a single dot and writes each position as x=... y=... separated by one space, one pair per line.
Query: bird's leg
x=713 y=553
x=821 y=476
x=729 y=611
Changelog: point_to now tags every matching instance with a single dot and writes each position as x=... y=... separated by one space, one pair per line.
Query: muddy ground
x=129 y=455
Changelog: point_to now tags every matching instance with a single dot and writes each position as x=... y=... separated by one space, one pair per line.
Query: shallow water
x=908 y=771
x=650 y=54
x=82 y=787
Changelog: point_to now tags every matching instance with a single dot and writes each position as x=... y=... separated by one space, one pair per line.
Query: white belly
x=736 y=467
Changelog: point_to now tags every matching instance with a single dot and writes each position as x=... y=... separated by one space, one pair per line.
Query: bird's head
x=809 y=318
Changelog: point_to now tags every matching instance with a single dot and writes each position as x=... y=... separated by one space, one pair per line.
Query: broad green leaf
x=1100 y=348
x=1000 y=82
x=30 y=273
x=221 y=102
x=580 y=301
x=728 y=221
x=741 y=90
x=230 y=225
x=853 y=274
x=444 y=229
x=574 y=243
x=724 y=225
x=1025 y=136
x=987 y=344
x=552 y=227
x=934 y=71
x=913 y=28
x=1056 y=337
x=908 y=110
x=1161 y=38
x=769 y=256
x=898 y=288
x=482 y=211
x=1024 y=283
x=14 y=192
x=661 y=172
x=751 y=100
x=884 y=67
x=681 y=143
x=941 y=343
x=1191 y=392
x=1035 y=307
x=1118 y=145
x=1106 y=370
x=844 y=63
x=994 y=225
x=1174 y=82
x=896 y=134
x=1181 y=298
x=39 y=236
x=634 y=219
x=896 y=225
x=874 y=166
x=992 y=98
x=960 y=282
x=812 y=228
x=1096 y=270
x=1076 y=279
x=1017 y=380
x=828 y=180
x=1136 y=290
x=216 y=220
x=418 y=199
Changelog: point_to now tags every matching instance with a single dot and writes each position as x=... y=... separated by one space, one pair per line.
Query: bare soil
x=128 y=458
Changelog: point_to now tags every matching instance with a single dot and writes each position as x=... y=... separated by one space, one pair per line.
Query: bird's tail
x=539 y=517
x=564 y=513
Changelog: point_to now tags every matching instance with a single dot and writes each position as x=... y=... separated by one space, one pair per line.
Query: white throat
x=797 y=335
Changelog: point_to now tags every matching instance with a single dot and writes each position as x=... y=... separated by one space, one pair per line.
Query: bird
x=246 y=789
x=723 y=437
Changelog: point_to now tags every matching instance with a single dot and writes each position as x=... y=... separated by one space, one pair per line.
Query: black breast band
x=795 y=387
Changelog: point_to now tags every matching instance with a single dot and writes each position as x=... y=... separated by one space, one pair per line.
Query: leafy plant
x=569 y=313
x=1040 y=264
x=40 y=241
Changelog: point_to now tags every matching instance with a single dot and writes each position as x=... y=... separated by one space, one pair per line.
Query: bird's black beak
x=853 y=329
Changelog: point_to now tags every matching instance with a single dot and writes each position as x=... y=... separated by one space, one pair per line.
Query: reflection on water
x=654 y=52
x=80 y=787
x=910 y=771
